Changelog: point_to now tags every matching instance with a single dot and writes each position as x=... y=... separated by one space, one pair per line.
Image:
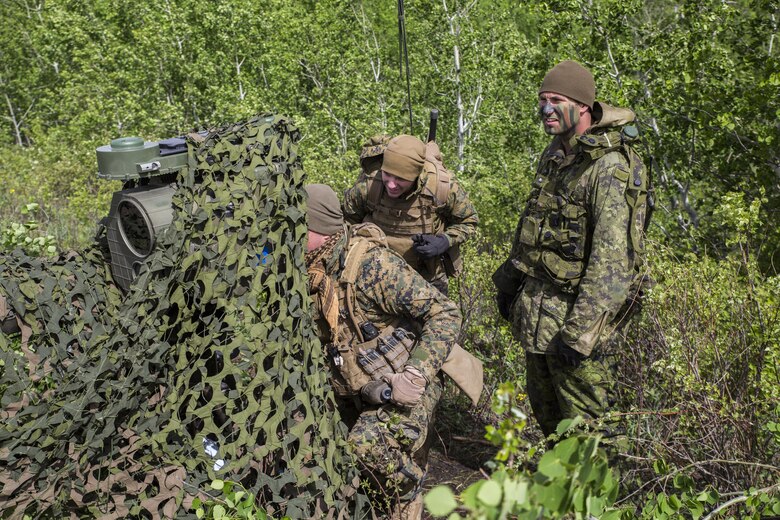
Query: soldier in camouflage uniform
x=417 y=202
x=362 y=292
x=577 y=250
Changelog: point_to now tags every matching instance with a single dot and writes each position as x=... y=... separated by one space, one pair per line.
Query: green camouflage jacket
x=388 y=289
x=572 y=257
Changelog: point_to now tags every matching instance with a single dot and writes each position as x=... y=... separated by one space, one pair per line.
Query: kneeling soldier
x=386 y=333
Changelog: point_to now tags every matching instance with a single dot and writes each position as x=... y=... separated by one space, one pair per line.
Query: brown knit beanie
x=404 y=157
x=572 y=80
x=324 y=210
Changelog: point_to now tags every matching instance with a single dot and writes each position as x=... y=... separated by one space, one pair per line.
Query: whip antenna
x=403 y=56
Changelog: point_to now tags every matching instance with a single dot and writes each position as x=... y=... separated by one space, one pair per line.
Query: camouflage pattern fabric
x=574 y=240
x=557 y=391
x=384 y=437
x=387 y=288
x=372 y=152
x=391 y=444
x=572 y=265
x=129 y=405
x=457 y=218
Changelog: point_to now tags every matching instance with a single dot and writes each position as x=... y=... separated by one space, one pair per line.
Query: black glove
x=504 y=304
x=430 y=246
x=568 y=355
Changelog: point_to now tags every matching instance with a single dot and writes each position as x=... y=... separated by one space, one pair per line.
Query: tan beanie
x=324 y=210
x=404 y=157
x=572 y=80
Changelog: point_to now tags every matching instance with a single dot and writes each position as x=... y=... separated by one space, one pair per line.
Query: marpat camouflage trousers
x=391 y=445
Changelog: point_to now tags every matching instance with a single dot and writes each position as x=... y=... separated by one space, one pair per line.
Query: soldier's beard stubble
x=567 y=114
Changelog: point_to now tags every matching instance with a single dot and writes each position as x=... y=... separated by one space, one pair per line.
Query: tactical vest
x=556 y=226
x=403 y=217
x=362 y=352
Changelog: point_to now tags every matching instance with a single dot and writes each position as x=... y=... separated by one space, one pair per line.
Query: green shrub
x=25 y=235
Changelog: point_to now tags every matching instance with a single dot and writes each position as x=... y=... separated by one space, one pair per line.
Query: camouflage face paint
x=558 y=118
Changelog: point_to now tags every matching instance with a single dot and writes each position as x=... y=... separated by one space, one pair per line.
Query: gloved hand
x=568 y=355
x=407 y=387
x=504 y=304
x=430 y=246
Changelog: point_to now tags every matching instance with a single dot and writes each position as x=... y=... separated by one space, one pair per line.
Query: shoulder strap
x=363 y=238
x=638 y=184
x=439 y=183
x=375 y=189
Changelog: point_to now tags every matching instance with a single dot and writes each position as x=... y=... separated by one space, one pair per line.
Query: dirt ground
x=458 y=448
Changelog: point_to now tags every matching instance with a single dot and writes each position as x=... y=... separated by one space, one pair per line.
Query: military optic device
x=142 y=209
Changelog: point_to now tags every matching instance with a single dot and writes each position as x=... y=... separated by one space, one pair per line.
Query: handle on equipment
x=432 y=127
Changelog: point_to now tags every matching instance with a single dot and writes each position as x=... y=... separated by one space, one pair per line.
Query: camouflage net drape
x=127 y=405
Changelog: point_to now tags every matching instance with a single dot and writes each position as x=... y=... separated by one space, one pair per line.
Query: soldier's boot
x=408 y=510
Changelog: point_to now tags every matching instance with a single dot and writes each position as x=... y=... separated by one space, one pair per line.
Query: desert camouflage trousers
x=391 y=445
x=557 y=391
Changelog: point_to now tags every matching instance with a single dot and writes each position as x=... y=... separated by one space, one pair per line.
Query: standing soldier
x=387 y=333
x=419 y=205
x=577 y=252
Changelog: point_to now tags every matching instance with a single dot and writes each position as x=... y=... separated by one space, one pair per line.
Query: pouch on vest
x=396 y=347
x=385 y=354
x=351 y=371
x=373 y=363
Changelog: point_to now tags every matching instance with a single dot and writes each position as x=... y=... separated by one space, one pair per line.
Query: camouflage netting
x=129 y=405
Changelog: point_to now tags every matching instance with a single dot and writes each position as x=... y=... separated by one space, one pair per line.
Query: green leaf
x=550 y=466
x=595 y=506
x=696 y=509
x=218 y=512
x=660 y=467
x=578 y=499
x=551 y=496
x=217 y=484
x=566 y=450
x=469 y=495
x=516 y=492
x=440 y=501
x=568 y=424
x=490 y=493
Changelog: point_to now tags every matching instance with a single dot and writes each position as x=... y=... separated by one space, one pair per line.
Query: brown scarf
x=321 y=286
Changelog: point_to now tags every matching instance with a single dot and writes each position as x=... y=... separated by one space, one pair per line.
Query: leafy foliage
x=21 y=235
x=572 y=477
x=701 y=366
x=236 y=504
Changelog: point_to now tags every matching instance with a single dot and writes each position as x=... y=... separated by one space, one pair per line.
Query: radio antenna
x=403 y=57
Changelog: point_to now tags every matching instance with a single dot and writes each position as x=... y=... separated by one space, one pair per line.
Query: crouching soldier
x=386 y=333
x=405 y=189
